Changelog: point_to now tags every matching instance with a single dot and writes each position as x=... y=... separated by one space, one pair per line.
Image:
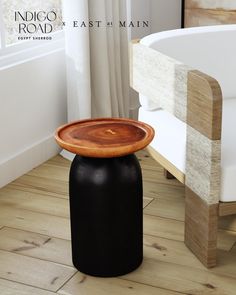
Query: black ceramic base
x=106 y=215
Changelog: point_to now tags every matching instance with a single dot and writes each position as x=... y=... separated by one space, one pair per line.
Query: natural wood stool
x=106 y=193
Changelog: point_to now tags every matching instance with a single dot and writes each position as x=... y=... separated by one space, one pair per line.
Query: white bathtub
x=211 y=50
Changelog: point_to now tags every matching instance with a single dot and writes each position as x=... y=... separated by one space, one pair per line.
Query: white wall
x=140 y=11
x=162 y=15
x=165 y=15
x=32 y=106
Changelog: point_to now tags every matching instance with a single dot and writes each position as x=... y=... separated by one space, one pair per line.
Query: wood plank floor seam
x=232 y=247
x=43 y=274
x=66 y=282
x=173 y=265
x=43 y=193
x=162 y=183
x=169 y=268
x=128 y=280
x=37 y=193
x=168 y=239
x=53 y=262
x=43 y=213
x=174 y=219
x=147 y=204
x=34 y=232
x=23 y=284
x=63 y=264
x=28 y=285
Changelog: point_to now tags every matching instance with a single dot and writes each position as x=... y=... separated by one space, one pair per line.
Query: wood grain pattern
x=170 y=251
x=160 y=78
x=42 y=185
x=228 y=223
x=20 y=199
x=166 y=164
x=31 y=271
x=176 y=252
x=148 y=174
x=146 y=201
x=201 y=224
x=53 y=173
x=226 y=240
x=172 y=207
x=169 y=267
x=168 y=175
x=226 y=209
x=168 y=207
x=188 y=280
x=165 y=228
x=209 y=12
x=233 y=250
x=36 y=222
x=204 y=105
x=13 y=288
x=162 y=190
x=204 y=119
x=203 y=166
x=81 y=284
x=35 y=245
x=104 y=137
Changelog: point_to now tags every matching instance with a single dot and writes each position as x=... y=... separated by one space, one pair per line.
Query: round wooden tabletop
x=105 y=137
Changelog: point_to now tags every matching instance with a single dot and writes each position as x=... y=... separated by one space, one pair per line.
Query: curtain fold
x=77 y=60
x=97 y=59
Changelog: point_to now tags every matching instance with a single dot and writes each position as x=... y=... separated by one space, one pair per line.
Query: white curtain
x=97 y=59
x=78 y=60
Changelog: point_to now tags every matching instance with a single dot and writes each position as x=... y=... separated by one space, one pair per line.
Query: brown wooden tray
x=104 y=137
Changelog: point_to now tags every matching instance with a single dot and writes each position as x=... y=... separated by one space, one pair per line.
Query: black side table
x=106 y=194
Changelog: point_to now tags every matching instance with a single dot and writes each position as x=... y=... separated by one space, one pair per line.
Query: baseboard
x=28 y=159
x=67 y=155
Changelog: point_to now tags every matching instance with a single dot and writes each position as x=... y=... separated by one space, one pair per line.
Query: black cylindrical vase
x=106 y=215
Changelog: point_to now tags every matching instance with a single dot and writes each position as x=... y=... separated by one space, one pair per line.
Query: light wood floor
x=35 y=256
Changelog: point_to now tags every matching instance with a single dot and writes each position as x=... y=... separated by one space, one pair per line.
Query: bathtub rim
x=152 y=39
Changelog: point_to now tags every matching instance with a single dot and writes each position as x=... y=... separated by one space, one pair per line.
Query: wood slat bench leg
x=201 y=225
